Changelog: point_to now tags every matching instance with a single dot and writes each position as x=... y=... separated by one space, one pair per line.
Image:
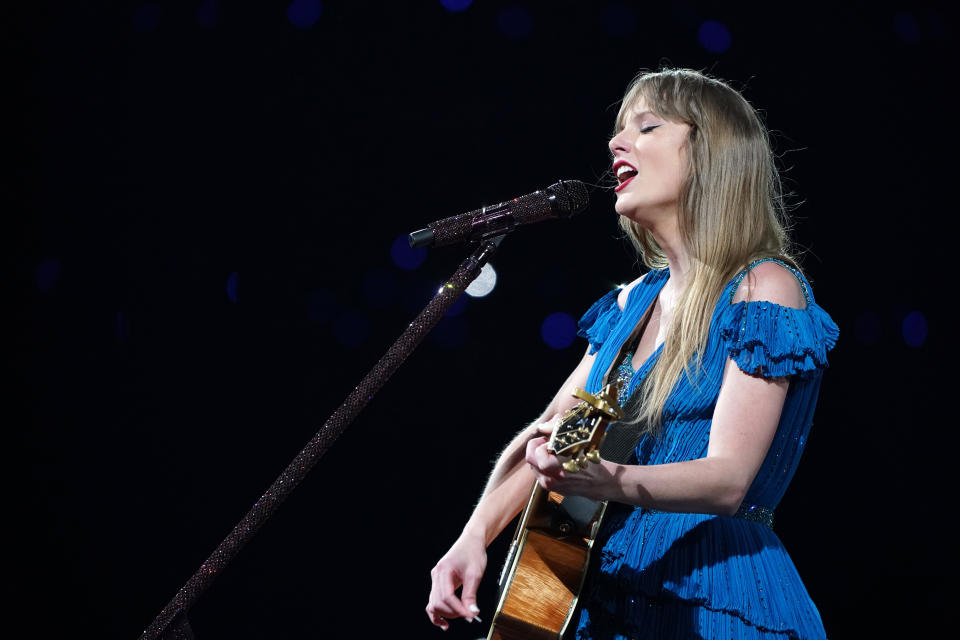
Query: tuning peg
x=572 y=466
x=594 y=456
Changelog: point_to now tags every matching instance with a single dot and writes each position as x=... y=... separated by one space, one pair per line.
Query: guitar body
x=548 y=559
x=545 y=569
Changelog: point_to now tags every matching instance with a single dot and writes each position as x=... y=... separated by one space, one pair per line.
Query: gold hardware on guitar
x=577 y=434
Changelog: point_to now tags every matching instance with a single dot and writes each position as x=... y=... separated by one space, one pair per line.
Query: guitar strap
x=621 y=438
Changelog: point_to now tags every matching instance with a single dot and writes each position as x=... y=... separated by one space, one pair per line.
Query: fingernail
x=474 y=608
x=477 y=618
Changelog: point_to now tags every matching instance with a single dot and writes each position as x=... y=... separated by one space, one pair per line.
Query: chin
x=622 y=207
x=625 y=210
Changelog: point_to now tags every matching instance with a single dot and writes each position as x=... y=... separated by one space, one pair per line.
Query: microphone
x=560 y=200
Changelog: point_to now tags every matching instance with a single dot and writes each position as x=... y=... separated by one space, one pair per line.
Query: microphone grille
x=571 y=196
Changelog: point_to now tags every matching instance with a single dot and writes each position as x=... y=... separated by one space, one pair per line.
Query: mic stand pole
x=296 y=471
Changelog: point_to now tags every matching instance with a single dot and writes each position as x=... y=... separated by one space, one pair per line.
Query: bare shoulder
x=625 y=292
x=773 y=282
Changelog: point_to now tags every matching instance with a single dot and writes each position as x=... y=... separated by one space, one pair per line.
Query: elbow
x=731 y=482
x=729 y=500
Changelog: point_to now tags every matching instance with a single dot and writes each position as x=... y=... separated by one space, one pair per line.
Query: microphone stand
x=171 y=623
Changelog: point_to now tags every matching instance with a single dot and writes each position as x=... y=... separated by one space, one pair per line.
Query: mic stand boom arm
x=335 y=425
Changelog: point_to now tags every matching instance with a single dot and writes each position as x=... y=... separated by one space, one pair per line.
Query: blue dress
x=693 y=575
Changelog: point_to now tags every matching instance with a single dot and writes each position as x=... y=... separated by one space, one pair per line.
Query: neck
x=679 y=261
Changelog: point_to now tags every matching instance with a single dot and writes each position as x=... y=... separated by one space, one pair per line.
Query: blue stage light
x=714 y=36
x=515 y=22
x=456 y=5
x=47 y=274
x=914 y=329
x=457 y=307
x=558 y=330
x=406 y=257
x=232 y=286
x=906 y=27
x=304 y=13
x=867 y=328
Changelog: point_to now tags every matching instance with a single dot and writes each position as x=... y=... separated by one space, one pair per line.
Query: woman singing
x=724 y=351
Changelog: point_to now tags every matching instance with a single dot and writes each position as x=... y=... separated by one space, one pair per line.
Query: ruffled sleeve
x=600 y=318
x=770 y=340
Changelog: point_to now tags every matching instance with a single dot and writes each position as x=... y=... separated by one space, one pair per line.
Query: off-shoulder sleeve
x=596 y=323
x=770 y=340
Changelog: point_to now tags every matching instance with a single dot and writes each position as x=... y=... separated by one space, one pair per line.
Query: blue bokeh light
x=619 y=20
x=147 y=18
x=914 y=329
x=404 y=256
x=867 y=329
x=558 y=330
x=233 y=285
x=47 y=274
x=351 y=328
x=304 y=13
x=321 y=306
x=714 y=36
x=456 y=5
x=380 y=288
x=906 y=27
x=457 y=307
x=208 y=13
x=515 y=22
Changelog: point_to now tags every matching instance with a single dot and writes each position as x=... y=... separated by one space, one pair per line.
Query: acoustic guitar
x=548 y=558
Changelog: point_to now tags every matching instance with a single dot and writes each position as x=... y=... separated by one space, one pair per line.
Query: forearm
x=506 y=492
x=706 y=485
x=498 y=506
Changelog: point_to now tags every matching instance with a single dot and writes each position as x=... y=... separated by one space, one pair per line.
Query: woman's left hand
x=596 y=481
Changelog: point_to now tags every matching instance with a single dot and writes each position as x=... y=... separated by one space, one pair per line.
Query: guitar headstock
x=580 y=431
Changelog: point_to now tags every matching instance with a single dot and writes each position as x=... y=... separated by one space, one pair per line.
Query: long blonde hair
x=731 y=212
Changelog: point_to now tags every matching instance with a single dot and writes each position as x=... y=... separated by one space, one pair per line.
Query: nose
x=619 y=143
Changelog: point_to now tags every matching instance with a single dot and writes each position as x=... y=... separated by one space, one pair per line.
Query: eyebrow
x=640 y=114
x=635 y=116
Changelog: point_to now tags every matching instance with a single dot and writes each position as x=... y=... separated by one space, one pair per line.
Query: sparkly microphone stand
x=171 y=623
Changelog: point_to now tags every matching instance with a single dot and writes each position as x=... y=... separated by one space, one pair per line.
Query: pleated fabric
x=691 y=575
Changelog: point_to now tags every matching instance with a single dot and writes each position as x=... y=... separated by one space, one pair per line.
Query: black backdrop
x=205 y=197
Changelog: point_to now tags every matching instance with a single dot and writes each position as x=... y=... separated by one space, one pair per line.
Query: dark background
x=205 y=196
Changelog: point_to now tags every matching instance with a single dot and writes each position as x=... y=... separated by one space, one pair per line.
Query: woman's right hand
x=462 y=565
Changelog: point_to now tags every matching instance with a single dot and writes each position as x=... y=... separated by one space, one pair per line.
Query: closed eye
x=650 y=128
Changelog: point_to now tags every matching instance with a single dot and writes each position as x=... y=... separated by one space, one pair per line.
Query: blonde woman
x=726 y=347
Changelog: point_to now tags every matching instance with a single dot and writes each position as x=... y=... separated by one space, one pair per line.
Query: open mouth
x=625 y=173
